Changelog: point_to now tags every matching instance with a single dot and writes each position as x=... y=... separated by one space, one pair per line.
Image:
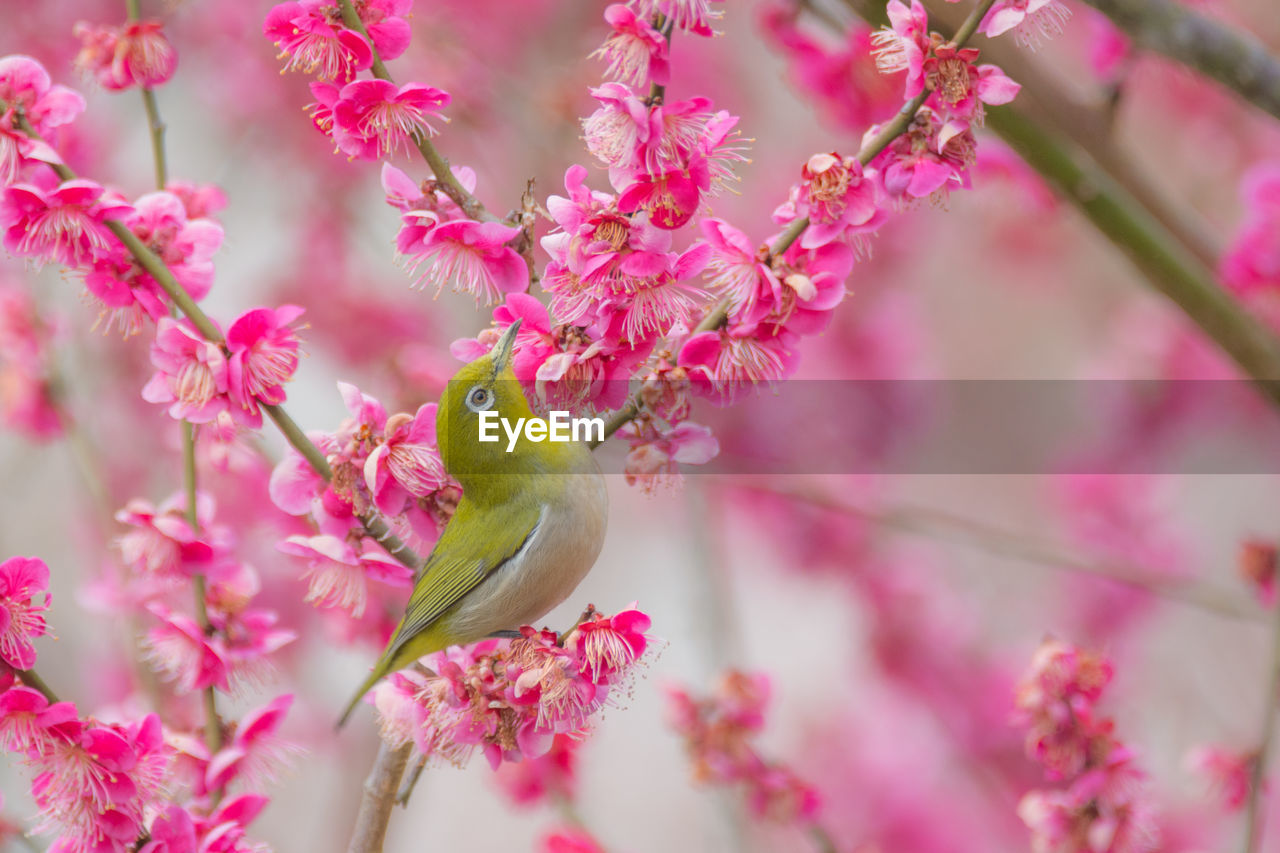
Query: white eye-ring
x=480 y=399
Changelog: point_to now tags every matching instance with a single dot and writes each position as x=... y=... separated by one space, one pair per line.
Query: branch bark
x=379 y=797
x=1235 y=59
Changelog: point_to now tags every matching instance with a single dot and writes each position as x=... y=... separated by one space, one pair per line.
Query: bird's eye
x=479 y=399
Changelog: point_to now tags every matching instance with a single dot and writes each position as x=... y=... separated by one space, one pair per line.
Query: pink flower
x=372 y=118
x=840 y=202
x=737 y=268
x=201 y=201
x=655 y=456
x=694 y=16
x=255 y=752
x=25 y=85
x=24 y=719
x=1257 y=563
x=1032 y=21
x=927 y=159
x=904 y=44
x=134 y=54
x=264 y=356
x=179 y=649
x=164 y=544
x=48 y=221
x=310 y=33
x=126 y=290
x=570 y=840
x=339 y=575
x=549 y=778
x=670 y=198
x=609 y=645
x=22 y=579
x=726 y=363
x=473 y=256
x=960 y=88
x=1251 y=264
x=407 y=463
x=191 y=373
x=1227 y=771
x=636 y=53
x=615 y=132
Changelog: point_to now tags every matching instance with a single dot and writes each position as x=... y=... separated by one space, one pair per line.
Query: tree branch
x=1235 y=59
x=379 y=797
x=1258 y=772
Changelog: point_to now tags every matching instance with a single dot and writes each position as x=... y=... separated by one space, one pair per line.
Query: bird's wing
x=468 y=551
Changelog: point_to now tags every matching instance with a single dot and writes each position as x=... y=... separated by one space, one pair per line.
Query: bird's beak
x=502 y=349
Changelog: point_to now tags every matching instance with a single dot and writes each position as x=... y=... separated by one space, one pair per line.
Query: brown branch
x=378 y=798
x=1233 y=58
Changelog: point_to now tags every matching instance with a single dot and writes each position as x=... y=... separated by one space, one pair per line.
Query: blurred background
x=893 y=613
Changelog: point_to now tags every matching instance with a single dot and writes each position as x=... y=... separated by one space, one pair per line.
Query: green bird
x=527 y=530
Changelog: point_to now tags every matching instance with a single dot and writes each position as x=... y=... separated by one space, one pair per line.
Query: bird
x=528 y=528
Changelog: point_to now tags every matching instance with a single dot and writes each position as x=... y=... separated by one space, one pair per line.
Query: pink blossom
x=311 y=34
x=473 y=256
x=163 y=542
x=339 y=574
x=960 y=88
x=22 y=579
x=136 y=53
x=617 y=130
x=27 y=395
x=656 y=455
x=839 y=201
x=548 y=778
x=1227 y=771
x=609 y=645
x=1257 y=563
x=636 y=54
x=570 y=840
x=127 y=292
x=256 y=751
x=264 y=355
x=24 y=719
x=725 y=363
x=374 y=118
x=670 y=198
x=48 y=221
x=1032 y=21
x=191 y=373
x=904 y=44
x=407 y=463
x=181 y=651
x=201 y=201
x=25 y=86
x=694 y=16
x=926 y=160
x=1251 y=264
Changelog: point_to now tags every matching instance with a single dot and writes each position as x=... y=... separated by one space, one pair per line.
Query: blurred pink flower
x=1032 y=21
x=547 y=779
x=694 y=16
x=656 y=455
x=255 y=752
x=570 y=840
x=136 y=53
x=1228 y=772
x=25 y=86
x=22 y=580
x=1258 y=562
x=339 y=574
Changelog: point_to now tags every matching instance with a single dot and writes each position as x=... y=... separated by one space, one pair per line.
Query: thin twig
x=1258 y=771
x=445 y=178
x=988 y=538
x=35 y=682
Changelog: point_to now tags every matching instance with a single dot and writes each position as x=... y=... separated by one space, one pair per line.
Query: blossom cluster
x=512 y=698
x=28 y=385
x=718 y=732
x=1099 y=805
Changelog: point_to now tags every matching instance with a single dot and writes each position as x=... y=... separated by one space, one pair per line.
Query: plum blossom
x=339 y=575
x=1227 y=771
x=180 y=650
x=23 y=580
x=136 y=53
x=371 y=119
x=509 y=698
x=718 y=732
x=263 y=348
x=191 y=373
x=127 y=292
x=472 y=256
x=27 y=394
x=904 y=44
x=1251 y=265
x=25 y=86
x=960 y=88
x=926 y=160
x=839 y=201
x=725 y=363
x=315 y=40
x=656 y=455
x=1032 y=21
x=694 y=16
x=548 y=778
x=255 y=752
x=407 y=463
x=636 y=54
x=163 y=543
x=63 y=222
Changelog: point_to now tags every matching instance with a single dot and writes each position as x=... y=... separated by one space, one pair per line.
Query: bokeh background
x=893 y=613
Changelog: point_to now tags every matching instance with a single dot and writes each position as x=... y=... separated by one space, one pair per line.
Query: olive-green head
x=487 y=384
